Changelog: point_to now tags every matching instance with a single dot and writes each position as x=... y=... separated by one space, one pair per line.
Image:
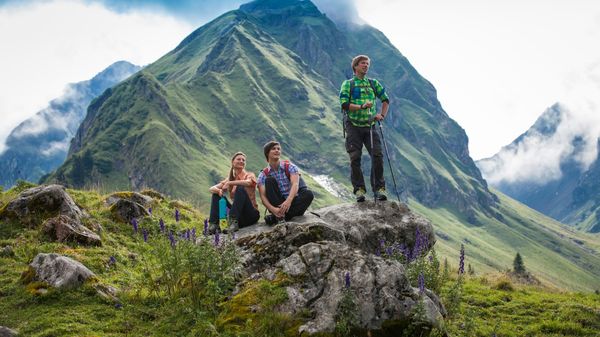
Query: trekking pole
x=387 y=154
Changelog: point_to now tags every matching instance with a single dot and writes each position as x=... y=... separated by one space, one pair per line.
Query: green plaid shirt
x=362 y=93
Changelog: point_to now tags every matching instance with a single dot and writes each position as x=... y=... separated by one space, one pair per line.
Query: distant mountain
x=39 y=144
x=564 y=190
x=271 y=69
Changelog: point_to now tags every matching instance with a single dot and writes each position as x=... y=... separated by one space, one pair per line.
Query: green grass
x=524 y=311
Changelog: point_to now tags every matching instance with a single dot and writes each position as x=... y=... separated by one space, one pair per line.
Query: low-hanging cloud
x=537 y=158
x=47 y=44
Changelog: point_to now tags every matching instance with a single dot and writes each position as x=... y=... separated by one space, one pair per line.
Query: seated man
x=281 y=189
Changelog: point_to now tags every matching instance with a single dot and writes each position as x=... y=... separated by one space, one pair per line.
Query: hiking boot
x=212 y=228
x=233 y=225
x=270 y=219
x=380 y=195
x=360 y=194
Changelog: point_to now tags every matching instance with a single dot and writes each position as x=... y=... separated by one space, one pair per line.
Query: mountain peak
x=303 y=7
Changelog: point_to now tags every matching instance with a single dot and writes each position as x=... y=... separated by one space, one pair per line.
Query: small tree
x=518 y=265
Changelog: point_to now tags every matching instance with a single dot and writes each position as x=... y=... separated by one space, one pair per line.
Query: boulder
x=65 y=229
x=136 y=197
x=37 y=204
x=6 y=332
x=315 y=253
x=125 y=210
x=59 y=271
x=7 y=251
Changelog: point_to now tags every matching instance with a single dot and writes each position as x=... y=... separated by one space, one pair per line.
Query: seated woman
x=242 y=190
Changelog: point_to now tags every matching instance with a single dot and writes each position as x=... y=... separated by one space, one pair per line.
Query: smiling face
x=362 y=67
x=275 y=153
x=239 y=162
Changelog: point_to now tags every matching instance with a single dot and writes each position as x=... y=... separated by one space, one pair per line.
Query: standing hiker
x=281 y=189
x=357 y=97
x=241 y=186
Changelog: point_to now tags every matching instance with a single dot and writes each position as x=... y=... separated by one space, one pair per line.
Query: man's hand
x=285 y=206
x=379 y=117
x=367 y=105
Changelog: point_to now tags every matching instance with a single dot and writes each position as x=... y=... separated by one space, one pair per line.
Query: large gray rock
x=59 y=271
x=65 y=229
x=125 y=206
x=37 y=204
x=316 y=252
x=6 y=332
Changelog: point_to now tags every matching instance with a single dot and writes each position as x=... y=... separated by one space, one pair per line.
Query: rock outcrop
x=58 y=271
x=37 y=204
x=315 y=253
x=124 y=206
x=65 y=229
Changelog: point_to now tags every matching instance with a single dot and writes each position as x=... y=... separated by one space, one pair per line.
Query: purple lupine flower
x=134 y=223
x=177 y=214
x=347 y=280
x=421 y=283
x=118 y=306
x=430 y=258
x=112 y=261
x=150 y=210
x=205 y=230
x=417 y=247
x=382 y=243
x=194 y=234
x=389 y=250
x=145 y=234
x=217 y=239
x=378 y=252
x=188 y=234
x=461 y=262
x=161 y=223
x=172 y=239
x=232 y=235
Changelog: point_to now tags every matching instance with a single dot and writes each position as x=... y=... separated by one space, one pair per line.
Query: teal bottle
x=223 y=213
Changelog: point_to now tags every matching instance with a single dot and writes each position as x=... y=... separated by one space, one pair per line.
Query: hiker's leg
x=242 y=208
x=273 y=193
x=377 y=157
x=354 y=145
x=300 y=203
x=214 y=209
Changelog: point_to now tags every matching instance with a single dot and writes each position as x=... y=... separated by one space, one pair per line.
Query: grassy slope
x=527 y=311
x=555 y=253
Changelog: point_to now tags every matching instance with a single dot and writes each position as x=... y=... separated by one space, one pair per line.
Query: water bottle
x=223 y=213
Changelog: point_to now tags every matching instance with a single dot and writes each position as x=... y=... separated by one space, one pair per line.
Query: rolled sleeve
x=345 y=95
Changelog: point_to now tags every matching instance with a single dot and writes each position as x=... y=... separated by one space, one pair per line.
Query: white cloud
x=46 y=45
x=496 y=64
x=538 y=158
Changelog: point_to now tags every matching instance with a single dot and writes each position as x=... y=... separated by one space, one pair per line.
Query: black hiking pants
x=356 y=137
x=242 y=208
x=299 y=205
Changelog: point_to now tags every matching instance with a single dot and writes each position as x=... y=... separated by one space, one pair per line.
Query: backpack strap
x=286 y=167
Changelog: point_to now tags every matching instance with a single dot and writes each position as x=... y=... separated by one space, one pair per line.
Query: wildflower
x=347 y=280
x=217 y=239
x=389 y=250
x=112 y=261
x=232 y=235
x=194 y=234
x=382 y=243
x=205 y=230
x=150 y=210
x=145 y=234
x=118 y=306
x=430 y=258
x=161 y=223
x=417 y=247
x=461 y=263
x=134 y=223
x=172 y=239
x=177 y=214
x=421 y=283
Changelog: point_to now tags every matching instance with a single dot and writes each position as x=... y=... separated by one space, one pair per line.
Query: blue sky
x=497 y=65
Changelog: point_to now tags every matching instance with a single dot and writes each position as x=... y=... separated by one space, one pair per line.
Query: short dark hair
x=268 y=146
x=356 y=60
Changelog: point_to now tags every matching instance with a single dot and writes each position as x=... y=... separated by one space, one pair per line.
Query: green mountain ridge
x=253 y=75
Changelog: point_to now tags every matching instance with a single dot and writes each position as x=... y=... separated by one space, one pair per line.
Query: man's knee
x=355 y=155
